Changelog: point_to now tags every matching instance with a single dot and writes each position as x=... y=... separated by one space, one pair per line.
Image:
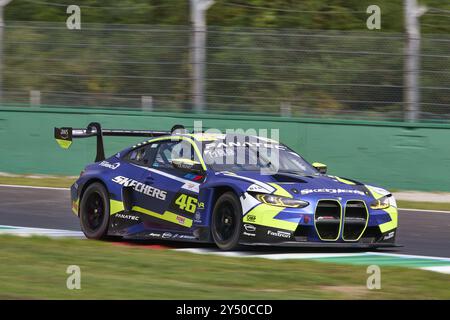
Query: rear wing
x=65 y=135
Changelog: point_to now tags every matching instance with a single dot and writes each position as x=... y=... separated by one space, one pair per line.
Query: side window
x=142 y=155
x=170 y=150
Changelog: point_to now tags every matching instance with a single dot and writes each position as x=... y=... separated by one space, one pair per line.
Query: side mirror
x=187 y=165
x=322 y=168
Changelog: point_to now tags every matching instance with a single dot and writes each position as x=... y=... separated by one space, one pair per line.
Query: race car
x=222 y=189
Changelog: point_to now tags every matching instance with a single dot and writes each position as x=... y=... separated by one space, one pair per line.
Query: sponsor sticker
x=154 y=235
x=191 y=186
x=141 y=187
x=389 y=235
x=109 y=165
x=166 y=235
x=181 y=220
x=249 y=234
x=249 y=227
x=127 y=216
x=197 y=218
x=187 y=237
x=279 y=234
x=332 y=191
x=64 y=133
x=252 y=144
x=256 y=188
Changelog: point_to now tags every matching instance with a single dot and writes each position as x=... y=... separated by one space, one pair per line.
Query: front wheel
x=227 y=221
x=94 y=212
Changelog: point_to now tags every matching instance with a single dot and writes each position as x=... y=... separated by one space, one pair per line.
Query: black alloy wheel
x=227 y=221
x=94 y=211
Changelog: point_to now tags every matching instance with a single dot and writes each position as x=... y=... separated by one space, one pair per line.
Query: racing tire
x=94 y=212
x=226 y=221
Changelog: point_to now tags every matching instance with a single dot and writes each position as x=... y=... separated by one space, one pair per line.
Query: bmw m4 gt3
x=218 y=192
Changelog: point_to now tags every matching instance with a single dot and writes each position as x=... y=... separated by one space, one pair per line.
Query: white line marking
x=281 y=256
x=31 y=187
x=424 y=210
x=271 y=256
x=211 y=251
x=25 y=231
x=440 y=269
x=408 y=256
x=286 y=256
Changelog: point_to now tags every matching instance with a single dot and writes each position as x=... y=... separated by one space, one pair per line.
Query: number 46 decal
x=186 y=203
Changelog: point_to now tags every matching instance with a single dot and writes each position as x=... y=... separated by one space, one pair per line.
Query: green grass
x=62 y=182
x=35 y=268
x=423 y=205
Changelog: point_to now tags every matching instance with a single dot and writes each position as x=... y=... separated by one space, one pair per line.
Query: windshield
x=254 y=156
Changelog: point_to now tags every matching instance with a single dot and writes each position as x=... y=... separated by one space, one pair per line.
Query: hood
x=300 y=185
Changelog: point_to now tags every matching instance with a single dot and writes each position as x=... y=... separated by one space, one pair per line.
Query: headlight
x=281 y=201
x=383 y=203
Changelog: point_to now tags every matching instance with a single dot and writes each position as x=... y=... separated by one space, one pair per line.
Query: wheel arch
x=220 y=190
x=88 y=183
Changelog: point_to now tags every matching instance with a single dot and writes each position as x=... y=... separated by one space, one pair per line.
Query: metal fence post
x=198 y=51
x=285 y=109
x=35 y=98
x=147 y=103
x=412 y=60
x=3 y=4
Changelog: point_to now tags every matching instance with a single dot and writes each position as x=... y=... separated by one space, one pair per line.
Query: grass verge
x=39 y=181
x=423 y=205
x=36 y=268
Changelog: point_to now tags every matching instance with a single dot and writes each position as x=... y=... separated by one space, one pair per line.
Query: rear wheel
x=227 y=221
x=94 y=211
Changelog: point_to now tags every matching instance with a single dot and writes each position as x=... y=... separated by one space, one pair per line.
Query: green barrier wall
x=393 y=155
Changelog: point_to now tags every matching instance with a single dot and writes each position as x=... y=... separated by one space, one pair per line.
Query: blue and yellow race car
x=221 y=188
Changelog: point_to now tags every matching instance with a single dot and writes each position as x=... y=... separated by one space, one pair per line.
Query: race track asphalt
x=420 y=233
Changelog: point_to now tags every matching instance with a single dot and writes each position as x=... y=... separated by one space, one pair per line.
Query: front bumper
x=333 y=223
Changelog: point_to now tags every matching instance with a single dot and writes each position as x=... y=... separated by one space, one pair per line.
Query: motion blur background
x=340 y=93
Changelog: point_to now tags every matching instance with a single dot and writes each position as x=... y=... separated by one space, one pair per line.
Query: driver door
x=178 y=189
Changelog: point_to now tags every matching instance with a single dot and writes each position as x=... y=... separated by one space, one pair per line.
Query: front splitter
x=323 y=245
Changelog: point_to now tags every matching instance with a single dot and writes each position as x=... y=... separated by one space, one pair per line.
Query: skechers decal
x=141 y=187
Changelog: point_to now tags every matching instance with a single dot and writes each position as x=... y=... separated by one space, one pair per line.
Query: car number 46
x=186 y=203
